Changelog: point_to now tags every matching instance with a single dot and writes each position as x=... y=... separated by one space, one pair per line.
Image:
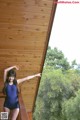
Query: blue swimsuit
x=11 y=100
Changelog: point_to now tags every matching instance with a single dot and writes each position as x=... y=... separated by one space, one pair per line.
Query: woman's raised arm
x=28 y=78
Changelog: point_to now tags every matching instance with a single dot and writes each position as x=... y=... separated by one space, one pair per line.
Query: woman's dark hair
x=10 y=73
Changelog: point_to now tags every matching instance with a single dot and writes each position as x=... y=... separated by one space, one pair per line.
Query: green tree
x=59 y=94
x=71 y=108
x=55 y=58
x=73 y=64
x=55 y=89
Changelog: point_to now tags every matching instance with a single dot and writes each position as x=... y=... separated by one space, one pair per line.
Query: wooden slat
x=28 y=3
x=22 y=30
x=23 y=113
x=2 y=95
x=30 y=115
x=13 y=8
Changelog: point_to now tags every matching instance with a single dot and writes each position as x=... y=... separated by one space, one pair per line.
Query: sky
x=65 y=34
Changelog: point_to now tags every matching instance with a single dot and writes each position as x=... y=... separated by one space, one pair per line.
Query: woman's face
x=11 y=78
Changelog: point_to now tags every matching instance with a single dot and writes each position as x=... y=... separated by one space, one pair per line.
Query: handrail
x=23 y=114
x=2 y=95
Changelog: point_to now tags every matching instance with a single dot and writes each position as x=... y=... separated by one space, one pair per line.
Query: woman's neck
x=10 y=83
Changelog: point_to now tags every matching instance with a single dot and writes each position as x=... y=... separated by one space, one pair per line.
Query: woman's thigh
x=15 y=113
x=6 y=110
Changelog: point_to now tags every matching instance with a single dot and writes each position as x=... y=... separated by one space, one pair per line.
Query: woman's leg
x=15 y=113
x=6 y=110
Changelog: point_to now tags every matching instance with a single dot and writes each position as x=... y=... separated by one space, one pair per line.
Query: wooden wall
x=23 y=41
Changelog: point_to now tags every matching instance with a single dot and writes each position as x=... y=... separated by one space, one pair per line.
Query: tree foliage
x=59 y=92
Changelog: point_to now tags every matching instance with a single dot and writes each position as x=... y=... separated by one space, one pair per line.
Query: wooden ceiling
x=24 y=33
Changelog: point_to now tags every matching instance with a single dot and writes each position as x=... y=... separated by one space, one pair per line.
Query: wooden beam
x=23 y=114
x=30 y=115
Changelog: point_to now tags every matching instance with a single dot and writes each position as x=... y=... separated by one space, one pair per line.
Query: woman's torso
x=11 y=94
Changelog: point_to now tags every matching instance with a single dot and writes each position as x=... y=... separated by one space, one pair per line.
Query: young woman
x=11 y=90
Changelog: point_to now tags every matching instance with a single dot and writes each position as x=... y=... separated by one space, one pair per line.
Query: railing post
x=23 y=113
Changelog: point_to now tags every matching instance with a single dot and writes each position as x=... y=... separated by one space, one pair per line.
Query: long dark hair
x=10 y=73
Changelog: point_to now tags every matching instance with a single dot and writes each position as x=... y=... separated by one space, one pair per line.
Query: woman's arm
x=28 y=78
x=7 y=69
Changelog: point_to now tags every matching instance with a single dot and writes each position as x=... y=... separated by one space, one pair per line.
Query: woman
x=11 y=90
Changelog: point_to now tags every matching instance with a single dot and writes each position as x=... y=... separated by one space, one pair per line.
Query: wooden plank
x=23 y=112
x=27 y=15
x=23 y=41
x=25 y=7
x=20 y=30
x=19 y=58
x=23 y=47
x=30 y=115
x=22 y=35
x=1 y=104
x=13 y=29
x=28 y=3
x=20 y=52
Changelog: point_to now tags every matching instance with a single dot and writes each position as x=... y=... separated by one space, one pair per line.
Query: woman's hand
x=38 y=75
x=16 y=67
